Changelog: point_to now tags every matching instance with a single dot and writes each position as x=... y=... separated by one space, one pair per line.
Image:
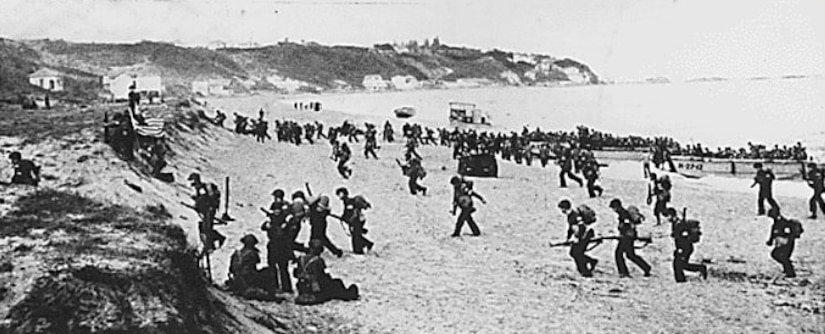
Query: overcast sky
x=619 y=39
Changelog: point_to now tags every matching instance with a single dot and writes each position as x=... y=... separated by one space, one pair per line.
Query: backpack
x=665 y=182
x=359 y=202
x=235 y=262
x=587 y=214
x=635 y=215
x=689 y=229
x=796 y=228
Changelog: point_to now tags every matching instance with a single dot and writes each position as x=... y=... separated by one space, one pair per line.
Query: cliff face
x=309 y=65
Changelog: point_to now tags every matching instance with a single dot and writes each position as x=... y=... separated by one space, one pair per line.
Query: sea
x=714 y=113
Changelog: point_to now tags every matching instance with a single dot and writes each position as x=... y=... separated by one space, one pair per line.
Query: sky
x=618 y=39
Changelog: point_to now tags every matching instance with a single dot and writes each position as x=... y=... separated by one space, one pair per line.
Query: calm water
x=713 y=113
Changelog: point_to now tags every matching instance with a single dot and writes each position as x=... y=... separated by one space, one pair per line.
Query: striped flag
x=153 y=128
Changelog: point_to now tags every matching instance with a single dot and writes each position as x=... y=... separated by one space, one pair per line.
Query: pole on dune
x=226 y=216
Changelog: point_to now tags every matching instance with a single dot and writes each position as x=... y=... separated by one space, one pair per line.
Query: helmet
x=565 y=204
x=773 y=212
x=249 y=240
x=194 y=177
x=15 y=156
x=615 y=203
x=278 y=193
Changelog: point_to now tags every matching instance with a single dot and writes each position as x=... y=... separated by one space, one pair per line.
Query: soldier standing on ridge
x=627 y=235
x=814 y=177
x=764 y=178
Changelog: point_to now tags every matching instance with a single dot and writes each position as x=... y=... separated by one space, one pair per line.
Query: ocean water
x=722 y=113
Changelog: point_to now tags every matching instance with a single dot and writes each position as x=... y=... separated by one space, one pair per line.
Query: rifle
x=598 y=240
x=219 y=220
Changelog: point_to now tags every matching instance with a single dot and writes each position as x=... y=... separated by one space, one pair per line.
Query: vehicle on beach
x=463 y=113
x=404 y=112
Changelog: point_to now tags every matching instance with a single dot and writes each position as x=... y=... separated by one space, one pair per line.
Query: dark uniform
x=25 y=171
x=463 y=198
x=315 y=285
x=681 y=256
x=814 y=178
x=279 y=248
x=590 y=170
x=318 y=212
x=764 y=178
x=627 y=236
x=354 y=217
x=414 y=173
x=783 y=238
x=580 y=234
x=207 y=201
x=343 y=156
x=565 y=162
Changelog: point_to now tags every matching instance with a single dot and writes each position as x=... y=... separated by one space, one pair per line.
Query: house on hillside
x=374 y=82
x=48 y=79
x=219 y=87
x=145 y=79
x=404 y=82
x=384 y=48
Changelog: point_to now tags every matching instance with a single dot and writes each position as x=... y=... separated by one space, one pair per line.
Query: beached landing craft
x=462 y=113
x=696 y=167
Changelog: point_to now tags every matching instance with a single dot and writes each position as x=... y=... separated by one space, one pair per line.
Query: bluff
x=301 y=66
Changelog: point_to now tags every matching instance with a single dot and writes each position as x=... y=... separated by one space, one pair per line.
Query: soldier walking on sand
x=565 y=162
x=343 y=155
x=684 y=236
x=353 y=216
x=628 y=219
x=579 y=235
x=318 y=212
x=764 y=178
x=815 y=177
x=463 y=198
x=279 y=248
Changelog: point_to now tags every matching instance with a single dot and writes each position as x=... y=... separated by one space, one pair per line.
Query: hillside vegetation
x=317 y=66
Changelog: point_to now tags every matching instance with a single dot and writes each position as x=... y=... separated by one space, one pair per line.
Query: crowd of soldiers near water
x=570 y=151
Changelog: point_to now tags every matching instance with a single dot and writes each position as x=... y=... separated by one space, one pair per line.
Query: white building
x=404 y=82
x=374 y=82
x=47 y=78
x=143 y=78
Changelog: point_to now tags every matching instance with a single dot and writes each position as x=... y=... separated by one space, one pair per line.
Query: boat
x=463 y=113
x=404 y=112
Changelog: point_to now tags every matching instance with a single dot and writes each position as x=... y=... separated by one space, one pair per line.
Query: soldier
x=318 y=212
x=684 y=234
x=371 y=142
x=298 y=211
x=279 y=248
x=764 y=178
x=343 y=156
x=354 y=217
x=590 y=170
x=25 y=171
x=315 y=285
x=416 y=172
x=814 y=177
x=463 y=198
x=579 y=235
x=207 y=200
x=565 y=162
x=245 y=279
x=410 y=152
x=784 y=233
x=660 y=189
x=628 y=219
x=388 y=132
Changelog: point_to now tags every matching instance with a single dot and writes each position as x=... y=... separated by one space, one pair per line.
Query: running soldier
x=784 y=233
x=685 y=233
x=353 y=216
x=414 y=172
x=579 y=235
x=814 y=177
x=590 y=170
x=371 y=142
x=764 y=178
x=388 y=132
x=628 y=219
x=343 y=155
x=659 y=188
x=463 y=198
x=565 y=162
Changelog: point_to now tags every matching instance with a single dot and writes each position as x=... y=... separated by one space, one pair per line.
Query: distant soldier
x=207 y=200
x=764 y=178
x=353 y=216
x=371 y=142
x=685 y=234
x=784 y=233
x=659 y=188
x=463 y=198
x=579 y=235
x=815 y=177
x=590 y=170
x=343 y=156
x=565 y=162
x=628 y=219
x=388 y=132
x=414 y=172
x=25 y=171
x=410 y=152
x=134 y=97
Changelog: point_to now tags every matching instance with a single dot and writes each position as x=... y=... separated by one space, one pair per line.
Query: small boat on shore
x=404 y=112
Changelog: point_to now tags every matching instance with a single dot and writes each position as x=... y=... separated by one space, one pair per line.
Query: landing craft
x=404 y=112
x=467 y=114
